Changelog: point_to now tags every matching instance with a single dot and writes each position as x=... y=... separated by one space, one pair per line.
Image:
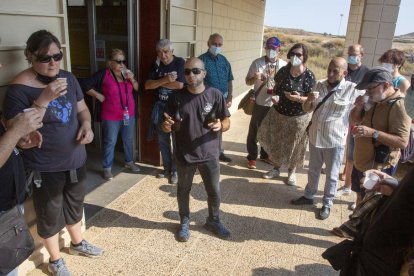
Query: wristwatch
x=375 y=135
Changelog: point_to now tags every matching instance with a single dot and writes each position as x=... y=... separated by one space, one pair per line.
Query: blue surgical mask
x=353 y=60
x=214 y=50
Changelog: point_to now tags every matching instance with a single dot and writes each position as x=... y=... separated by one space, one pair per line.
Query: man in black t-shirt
x=12 y=173
x=166 y=75
x=197 y=115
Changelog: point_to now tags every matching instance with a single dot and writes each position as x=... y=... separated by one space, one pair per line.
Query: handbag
x=16 y=242
x=247 y=104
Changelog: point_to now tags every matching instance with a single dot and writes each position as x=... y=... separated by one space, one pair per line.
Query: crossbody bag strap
x=257 y=92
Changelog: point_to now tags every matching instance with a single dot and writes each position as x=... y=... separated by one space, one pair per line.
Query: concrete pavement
x=269 y=235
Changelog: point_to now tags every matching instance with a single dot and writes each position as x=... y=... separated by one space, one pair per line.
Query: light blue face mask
x=214 y=50
x=353 y=60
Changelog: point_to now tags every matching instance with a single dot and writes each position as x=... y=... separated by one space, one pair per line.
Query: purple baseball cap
x=273 y=43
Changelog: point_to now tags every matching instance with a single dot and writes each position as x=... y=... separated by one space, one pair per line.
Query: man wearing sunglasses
x=219 y=75
x=204 y=115
x=166 y=75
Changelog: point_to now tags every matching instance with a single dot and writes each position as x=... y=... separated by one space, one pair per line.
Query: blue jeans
x=167 y=153
x=210 y=173
x=332 y=158
x=110 y=130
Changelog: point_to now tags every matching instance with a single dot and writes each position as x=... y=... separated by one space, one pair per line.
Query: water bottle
x=211 y=116
x=177 y=118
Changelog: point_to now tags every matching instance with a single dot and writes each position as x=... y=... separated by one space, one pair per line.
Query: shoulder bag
x=246 y=103
x=16 y=242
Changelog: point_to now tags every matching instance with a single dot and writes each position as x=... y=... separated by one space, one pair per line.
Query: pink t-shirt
x=111 y=107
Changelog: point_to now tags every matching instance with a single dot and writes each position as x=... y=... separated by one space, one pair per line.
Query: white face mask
x=272 y=54
x=295 y=61
x=214 y=50
x=388 y=66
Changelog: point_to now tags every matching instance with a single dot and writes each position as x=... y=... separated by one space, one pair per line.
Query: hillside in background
x=323 y=47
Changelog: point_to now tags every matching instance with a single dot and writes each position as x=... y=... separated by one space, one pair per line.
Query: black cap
x=375 y=75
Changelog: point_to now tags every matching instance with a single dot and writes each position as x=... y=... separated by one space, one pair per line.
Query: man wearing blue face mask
x=356 y=71
x=219 y=75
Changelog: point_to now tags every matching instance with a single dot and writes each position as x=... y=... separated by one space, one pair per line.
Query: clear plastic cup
x=370 y=180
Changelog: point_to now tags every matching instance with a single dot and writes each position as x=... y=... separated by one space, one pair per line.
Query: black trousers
x=210 y=173
x=259 y=113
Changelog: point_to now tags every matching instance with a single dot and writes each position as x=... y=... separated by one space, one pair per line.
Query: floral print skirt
x=284 y=138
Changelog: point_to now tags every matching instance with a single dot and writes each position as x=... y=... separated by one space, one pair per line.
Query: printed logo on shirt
x=16 y=151
x=208 y=108
x=61 y=108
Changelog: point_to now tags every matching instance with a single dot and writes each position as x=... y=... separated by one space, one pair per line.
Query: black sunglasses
x=47 y=59
x=195 y=71
x=295 y=54
x=120 y=61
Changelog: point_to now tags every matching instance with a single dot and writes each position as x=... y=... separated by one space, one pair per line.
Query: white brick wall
x=372 y=24
x=240 y=22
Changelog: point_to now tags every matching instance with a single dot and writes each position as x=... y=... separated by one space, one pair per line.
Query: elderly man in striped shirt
x=327 y=132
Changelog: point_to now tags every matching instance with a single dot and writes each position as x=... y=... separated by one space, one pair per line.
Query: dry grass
x=322 y=48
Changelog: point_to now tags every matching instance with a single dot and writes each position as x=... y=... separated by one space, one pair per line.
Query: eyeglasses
x=373 y=87
x=195 y=71
x=120 y=61
x=296 y=54
x=47 y=59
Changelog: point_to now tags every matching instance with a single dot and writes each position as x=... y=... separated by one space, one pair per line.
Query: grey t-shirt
x=60 y=151
x=195 y=142
x=356 y=76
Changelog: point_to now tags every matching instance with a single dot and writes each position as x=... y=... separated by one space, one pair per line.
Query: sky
x=325 y=15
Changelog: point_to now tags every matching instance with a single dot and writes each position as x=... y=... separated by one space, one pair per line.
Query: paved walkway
x=269 y=236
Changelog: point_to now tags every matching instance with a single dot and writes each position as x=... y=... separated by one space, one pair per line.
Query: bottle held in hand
x=177 y=118
x=211 y=117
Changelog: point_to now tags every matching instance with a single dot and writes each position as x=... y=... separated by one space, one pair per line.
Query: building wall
x=240 y=22
x=372 y=23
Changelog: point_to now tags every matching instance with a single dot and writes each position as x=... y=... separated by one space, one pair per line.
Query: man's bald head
x=194 y=62
x=339 y=62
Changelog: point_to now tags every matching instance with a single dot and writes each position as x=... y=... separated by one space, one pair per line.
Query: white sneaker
x=344 y=191
x=273 y=173
x=291 y=180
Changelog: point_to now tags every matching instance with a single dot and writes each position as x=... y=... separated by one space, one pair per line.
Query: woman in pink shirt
x=114 y=87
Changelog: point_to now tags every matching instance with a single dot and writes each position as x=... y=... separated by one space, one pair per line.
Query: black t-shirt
x=195 y=142
x=60 y=151
x=161 y=70
x=13 y=165
x=356 y=76
x=303 y=84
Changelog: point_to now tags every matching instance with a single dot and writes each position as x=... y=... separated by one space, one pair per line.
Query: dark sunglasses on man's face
x=195 y=71
x=120 y=61
x=295 y=54
x=47 y=59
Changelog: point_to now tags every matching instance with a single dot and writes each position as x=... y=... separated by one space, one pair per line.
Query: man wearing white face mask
x=262 y=70
x=219 y=75
x=382 y=130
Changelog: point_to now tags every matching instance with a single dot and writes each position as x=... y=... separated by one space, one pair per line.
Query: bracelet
x=38 y=105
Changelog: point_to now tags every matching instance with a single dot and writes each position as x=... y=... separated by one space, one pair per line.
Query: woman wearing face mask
x=283 y=131
x=392 y=60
